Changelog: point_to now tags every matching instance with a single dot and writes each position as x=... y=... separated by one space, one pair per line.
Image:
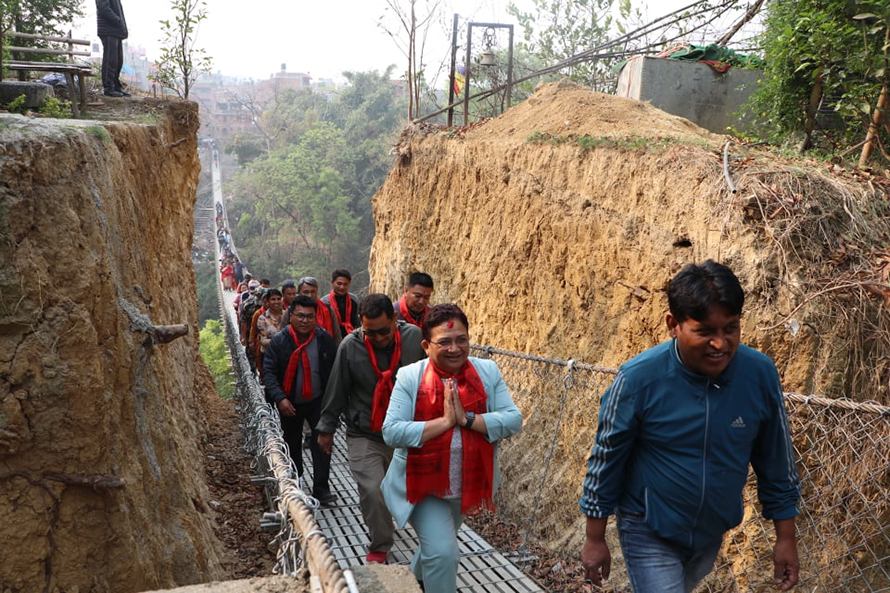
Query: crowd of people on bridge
x=421 y=417
x=230 y=267
x=677 y=431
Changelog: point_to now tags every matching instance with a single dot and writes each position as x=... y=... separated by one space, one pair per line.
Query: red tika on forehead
x=450 y=325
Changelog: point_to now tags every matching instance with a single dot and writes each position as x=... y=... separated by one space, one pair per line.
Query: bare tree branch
x=746 y=18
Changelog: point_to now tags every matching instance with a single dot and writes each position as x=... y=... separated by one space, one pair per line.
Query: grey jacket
x=350 y=390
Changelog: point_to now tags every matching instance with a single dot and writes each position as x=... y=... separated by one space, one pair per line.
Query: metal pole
x=510 y=68
x=467 y=75
x=453 y=71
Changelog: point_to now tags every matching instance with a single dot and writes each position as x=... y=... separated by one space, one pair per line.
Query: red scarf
x=428 y=465
x=348 y=324
x=385 y=381
x=323 y=317
x=406 y=314
x=300 y=354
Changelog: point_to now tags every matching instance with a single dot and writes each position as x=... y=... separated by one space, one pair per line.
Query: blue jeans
x=656 y=565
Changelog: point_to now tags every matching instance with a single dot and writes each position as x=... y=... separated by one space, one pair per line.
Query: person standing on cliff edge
x=112 y=30
x=677 y=430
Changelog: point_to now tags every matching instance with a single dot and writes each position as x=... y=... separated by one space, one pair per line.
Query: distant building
x=223 y=106
x=280 y=81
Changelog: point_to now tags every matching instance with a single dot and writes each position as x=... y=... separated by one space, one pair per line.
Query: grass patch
x=99 y=132
x=588 y=142
x=213 y=350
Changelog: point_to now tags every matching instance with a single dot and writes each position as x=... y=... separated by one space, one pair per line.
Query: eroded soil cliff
x=95 y=239
x=558 y=225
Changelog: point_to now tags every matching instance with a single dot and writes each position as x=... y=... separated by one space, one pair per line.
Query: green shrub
x=53 y=107
x=215 y=355
x=17 y=105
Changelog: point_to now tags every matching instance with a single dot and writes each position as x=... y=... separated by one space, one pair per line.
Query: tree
x=304 y=205
x=39 y=17
x=555 y=30
x=822 y=52
x=415 y=28
x=181 y=62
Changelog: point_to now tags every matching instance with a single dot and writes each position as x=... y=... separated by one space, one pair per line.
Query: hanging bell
x=488 y=58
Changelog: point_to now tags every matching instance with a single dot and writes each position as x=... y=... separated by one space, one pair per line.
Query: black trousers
x=292 y=427
x=112 y=62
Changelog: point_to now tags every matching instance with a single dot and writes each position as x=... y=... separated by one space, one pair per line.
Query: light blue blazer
x=400 y=431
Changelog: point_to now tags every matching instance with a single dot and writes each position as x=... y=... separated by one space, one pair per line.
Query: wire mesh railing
x=843 y=457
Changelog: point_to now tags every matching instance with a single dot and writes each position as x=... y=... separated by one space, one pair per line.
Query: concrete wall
x=689 y=89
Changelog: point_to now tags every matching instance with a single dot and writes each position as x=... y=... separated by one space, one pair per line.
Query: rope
x=811 y=400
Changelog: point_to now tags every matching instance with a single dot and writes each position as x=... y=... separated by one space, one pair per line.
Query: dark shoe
x=326 y=499
x=113 y=94
x=123 y=92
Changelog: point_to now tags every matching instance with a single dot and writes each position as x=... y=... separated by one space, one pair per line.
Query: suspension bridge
x=332 y=539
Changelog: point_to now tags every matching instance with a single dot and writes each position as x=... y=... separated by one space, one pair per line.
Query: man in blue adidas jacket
x=677 y=430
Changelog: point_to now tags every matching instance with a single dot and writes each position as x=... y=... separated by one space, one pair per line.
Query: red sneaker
x=376 y=558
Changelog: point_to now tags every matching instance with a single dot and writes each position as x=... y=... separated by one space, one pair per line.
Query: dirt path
x=237 y=502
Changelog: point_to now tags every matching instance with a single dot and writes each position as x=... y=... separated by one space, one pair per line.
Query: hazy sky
x=252 y=39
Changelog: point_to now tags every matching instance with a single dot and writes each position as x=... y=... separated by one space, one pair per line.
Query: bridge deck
x=482 y=568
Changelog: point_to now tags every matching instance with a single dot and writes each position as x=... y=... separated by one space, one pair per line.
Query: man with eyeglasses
x=415 y=301
x=325 y=320
x=296 y=367
x=359 y=389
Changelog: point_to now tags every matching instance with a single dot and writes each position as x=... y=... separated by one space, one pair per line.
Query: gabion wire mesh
x=843 y=457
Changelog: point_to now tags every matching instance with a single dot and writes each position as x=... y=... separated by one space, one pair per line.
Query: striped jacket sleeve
x=778 y=485
x=612 y=447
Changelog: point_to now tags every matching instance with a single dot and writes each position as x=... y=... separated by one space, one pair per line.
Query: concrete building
x=690 y=89
x=282 y=80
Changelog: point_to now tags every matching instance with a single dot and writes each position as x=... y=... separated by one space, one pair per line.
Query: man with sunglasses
x=359 y=389
x=297 y=367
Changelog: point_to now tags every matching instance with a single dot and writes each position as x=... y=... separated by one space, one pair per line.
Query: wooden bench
x=69 y=69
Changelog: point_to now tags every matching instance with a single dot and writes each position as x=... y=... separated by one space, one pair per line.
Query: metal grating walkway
x=482 y=568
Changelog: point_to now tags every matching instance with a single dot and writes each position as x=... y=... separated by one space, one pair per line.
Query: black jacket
x=278 y=354
x=110 y=19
